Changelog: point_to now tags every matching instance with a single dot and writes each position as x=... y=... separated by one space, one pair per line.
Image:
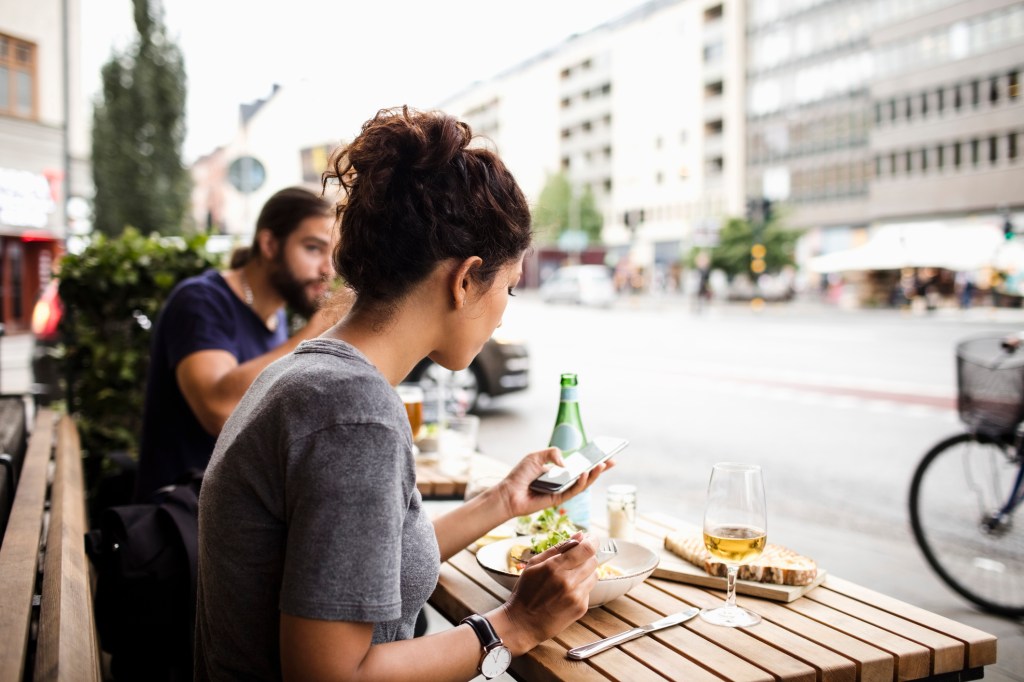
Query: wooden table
x=434 y=484
x=838 y=631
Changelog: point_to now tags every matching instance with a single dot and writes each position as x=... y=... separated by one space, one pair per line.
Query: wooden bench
x=47 y=630
x=13 y=440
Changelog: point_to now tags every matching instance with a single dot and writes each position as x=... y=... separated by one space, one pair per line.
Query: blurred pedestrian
x=219 y=330
x=315 y=553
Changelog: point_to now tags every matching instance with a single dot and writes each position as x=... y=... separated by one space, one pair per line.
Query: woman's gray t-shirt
x=309 y=507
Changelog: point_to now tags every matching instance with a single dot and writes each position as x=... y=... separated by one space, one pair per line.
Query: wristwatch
x=496 y=658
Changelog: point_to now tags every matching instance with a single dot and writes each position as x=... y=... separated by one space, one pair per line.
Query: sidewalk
x=812 y=307
x=16 y=363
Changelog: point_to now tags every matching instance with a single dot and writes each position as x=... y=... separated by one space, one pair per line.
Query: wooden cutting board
x=673 y=567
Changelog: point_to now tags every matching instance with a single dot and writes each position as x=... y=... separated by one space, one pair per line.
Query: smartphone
x=559 y=478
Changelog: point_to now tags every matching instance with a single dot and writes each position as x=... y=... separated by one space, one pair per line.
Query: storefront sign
x=25 y=198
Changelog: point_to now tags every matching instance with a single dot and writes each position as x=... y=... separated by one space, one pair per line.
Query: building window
x=975 y=151
x=17 y=77
x=924 y=160
x=958 y=97
x=924 y=104
x=940 y=156
x=892 y=110
x=993 y=150
x=975 y=93
x=1013 y=85
x=1011 y=146
x=878 y=113
x=940 y=100
x=714 y=89
x=892 y=164
x=713 y=52
x=993 y=90
x=566 y=163
x=909 y=160
x=909 y=108
x=878 y=166
x=713 y=13
x=957 y=154
x=607 y=183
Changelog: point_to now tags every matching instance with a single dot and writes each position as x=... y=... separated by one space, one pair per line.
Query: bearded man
x=217 y=331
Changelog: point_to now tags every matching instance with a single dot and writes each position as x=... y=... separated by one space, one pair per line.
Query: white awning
x=921 y=245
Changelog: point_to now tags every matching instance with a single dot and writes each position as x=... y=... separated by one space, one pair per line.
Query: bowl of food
x=504 y=560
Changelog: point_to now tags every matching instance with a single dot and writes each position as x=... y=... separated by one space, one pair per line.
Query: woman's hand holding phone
x=518 y=499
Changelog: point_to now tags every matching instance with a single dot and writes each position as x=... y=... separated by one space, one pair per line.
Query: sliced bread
x=777 y=565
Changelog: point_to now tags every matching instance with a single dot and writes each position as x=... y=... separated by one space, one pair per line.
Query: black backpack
x=146 y=563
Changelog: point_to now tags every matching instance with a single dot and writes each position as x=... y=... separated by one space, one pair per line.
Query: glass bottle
x=568 y=436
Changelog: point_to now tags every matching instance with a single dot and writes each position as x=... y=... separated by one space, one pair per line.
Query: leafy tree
x=560 y=209
x=138 y=130
x=732 y=255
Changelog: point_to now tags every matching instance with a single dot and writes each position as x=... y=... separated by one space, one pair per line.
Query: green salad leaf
x=545 y=541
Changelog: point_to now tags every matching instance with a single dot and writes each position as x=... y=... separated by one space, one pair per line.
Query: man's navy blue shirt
x=202 y=313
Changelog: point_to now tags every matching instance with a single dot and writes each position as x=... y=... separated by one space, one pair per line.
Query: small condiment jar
x=622 y=511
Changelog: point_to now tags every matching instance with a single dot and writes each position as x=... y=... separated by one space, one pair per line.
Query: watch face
x=495 y=662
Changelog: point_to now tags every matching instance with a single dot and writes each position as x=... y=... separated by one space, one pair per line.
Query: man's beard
x=291 y=289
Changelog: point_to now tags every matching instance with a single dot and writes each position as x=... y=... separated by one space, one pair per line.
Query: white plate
x=635 y=561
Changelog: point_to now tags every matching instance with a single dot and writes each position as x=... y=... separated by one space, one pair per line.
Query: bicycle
x=968 y=489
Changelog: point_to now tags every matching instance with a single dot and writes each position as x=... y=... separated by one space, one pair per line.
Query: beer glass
x=735 y=531
x=412 y=397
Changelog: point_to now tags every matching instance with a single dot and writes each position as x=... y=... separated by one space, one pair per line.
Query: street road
x=837 y=406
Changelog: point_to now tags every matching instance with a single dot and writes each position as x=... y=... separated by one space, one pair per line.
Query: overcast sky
x=381 y=52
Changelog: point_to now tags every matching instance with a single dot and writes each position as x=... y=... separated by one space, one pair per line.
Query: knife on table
x=588 y=650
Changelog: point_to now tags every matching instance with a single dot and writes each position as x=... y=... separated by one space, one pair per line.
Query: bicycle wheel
x=956 y=488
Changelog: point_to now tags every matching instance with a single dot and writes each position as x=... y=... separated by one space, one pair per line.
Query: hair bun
x=403 y=140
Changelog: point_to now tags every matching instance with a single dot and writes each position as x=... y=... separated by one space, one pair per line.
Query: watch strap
x=484 y=631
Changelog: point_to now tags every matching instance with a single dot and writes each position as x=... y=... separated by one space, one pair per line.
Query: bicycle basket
x=990 y=383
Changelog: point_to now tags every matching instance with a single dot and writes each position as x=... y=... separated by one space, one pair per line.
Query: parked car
x=581 y=284
x=503 y=366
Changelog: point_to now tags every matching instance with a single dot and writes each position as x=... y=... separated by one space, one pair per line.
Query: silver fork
x=607 y=550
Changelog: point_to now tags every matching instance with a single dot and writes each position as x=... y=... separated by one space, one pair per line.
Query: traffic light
x=757 y=254
x=1008 y=230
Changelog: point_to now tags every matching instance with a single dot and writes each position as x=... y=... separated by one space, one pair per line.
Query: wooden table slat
x=910 y=660
x=873 y=664
x=605 y=622
x=615 y=663
x=636 y=609
x=948 y=654
x=981 y=646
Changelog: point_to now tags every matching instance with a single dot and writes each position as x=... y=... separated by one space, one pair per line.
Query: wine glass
x=735 y=531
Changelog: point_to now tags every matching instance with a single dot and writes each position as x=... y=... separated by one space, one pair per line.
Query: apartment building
x=645 y=111
x=948 y=116
x=44 y=147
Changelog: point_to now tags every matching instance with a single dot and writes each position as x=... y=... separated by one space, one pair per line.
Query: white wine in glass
x=735 y=531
